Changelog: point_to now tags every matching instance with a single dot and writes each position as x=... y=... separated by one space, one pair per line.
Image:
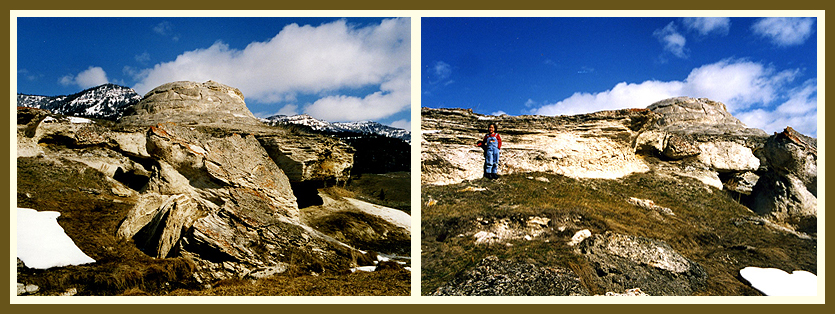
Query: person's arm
x=499 y=138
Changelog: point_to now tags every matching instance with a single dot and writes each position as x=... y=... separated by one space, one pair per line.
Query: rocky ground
x=674 y=199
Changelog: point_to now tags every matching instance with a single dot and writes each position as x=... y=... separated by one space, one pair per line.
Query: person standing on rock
x=491 y=144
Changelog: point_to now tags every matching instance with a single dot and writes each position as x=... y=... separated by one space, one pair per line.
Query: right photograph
x=619 y=156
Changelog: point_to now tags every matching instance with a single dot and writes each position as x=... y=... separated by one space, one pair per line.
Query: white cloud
x=530 y=103
x=739 y=84
x=799 y=112
x=394 y=96
x=748 y=89
x=166 y=28
x=28 y=75
x=402 y=124
x=93 y=76
x=784 y=31
x=498 y=113
x=327 y=60
x=144 y=57
x=672 y=40
x=439 y=73
x=708 y=25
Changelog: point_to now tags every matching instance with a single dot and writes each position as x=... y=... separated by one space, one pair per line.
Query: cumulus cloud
x=748 y=89
x=402 y=124
x=672 y=40
x=799 y=111
x=394 y=96
x=708 y=25
x=93 y=76
x=784 y=31
x=330 y=60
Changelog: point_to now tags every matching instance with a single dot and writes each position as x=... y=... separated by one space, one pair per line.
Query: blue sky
x=763 y=69
x=335 y=69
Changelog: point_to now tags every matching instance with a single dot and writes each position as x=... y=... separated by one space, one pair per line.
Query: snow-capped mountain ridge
x=362 y=127
x=106 y=101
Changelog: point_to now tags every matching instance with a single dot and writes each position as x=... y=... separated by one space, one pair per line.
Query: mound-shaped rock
x=191 y=103
x=698 y=116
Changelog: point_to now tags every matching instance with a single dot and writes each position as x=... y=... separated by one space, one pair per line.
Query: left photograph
x=214 y=156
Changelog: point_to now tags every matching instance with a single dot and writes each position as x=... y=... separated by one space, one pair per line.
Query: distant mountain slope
x=362 y=127
x=106 y=101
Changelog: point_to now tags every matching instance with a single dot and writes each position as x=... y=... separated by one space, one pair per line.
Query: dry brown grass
x=701 y=230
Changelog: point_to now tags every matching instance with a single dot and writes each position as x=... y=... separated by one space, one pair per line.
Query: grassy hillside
x=708 y=226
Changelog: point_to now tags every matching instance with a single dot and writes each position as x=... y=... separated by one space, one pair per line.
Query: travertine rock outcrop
x=682 y=136
x=207 y=180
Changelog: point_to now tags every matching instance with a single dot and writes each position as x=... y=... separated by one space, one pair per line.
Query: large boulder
x=787 y=193
x=184 y=102
x=625 y=262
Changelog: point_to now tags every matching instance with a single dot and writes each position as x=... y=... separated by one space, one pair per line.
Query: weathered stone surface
x=677 y=147
x=597 y=145
x=624 y=262
x=728 y=156
x=191 y=103
x=309 y=157
x=493 y=276
x=742 y=182
x=790 y=153
x=688 y=115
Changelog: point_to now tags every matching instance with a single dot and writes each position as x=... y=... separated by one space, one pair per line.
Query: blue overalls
x=491 y=155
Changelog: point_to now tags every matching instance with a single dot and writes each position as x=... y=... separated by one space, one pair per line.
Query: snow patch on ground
x=42 y=243
x=79 y=120
x=392 y=215
x=772 y=281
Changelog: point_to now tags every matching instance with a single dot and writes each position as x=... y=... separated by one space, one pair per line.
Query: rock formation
x=680 y=136
x=209 y=182
x=189 y=103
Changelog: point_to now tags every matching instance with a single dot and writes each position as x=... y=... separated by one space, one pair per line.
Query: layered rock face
x=207 y=185
x=680 y=136
x=595 y=145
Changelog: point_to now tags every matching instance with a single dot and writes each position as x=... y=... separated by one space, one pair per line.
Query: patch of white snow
x=776 y=282
x=42 y=243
